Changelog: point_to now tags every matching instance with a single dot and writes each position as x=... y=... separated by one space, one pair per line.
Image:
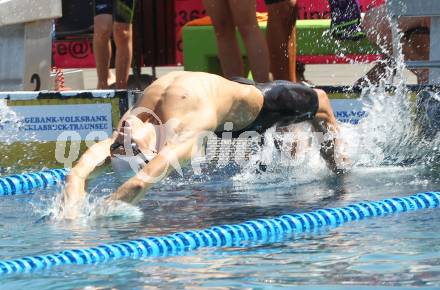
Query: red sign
x=186 y=10
x=75 y=53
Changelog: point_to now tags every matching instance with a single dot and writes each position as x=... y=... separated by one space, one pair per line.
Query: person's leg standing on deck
x=281 y=38
x=113 y=17
x=226 y=16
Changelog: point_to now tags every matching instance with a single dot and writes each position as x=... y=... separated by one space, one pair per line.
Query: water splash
x=274 y=163
x=388 y=137
x=391 y=127
x=91 y=208
x=390 y=133
x=12 y=127
x=10 y=123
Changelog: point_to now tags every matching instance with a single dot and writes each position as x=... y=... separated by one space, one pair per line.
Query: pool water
x=388 y=158
x=398 y=250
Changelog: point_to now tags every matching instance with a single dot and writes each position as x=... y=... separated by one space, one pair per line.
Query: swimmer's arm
x=76 y=179
x=328 y=146
x=134 y=189
x=325 y=122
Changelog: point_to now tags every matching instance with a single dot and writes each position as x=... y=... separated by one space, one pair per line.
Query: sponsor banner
x=74 y=53
x=58 y=122
x=348 y=111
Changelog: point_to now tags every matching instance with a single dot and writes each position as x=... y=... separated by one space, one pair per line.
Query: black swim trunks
x=122 y=10
x=268 y=2
x=284 y=103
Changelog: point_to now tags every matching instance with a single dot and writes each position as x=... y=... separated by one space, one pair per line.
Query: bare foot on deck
x=111 y=81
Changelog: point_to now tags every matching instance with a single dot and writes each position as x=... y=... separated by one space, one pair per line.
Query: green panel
x=343 y=95
x=200 y=46
x=313 y=24
x=315 y=40
x=31 y=155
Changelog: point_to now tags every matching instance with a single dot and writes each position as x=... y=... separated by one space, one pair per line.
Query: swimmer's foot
x=350 y=30
x=346 y=19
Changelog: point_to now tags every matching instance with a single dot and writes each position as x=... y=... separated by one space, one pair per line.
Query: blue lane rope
x=261 y=230
x=23 y=183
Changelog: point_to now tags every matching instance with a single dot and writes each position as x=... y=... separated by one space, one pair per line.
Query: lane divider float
x=24 y=183
x=254 y=231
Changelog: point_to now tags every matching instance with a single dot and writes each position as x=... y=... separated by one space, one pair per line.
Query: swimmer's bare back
x=201 y=101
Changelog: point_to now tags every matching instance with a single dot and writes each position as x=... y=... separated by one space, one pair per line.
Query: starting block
x=26 y=43
x=412 y=8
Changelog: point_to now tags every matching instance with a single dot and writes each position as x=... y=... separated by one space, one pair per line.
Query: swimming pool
x=400 y=250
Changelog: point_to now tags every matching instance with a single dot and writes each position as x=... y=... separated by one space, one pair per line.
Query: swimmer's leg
x=325 y=113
